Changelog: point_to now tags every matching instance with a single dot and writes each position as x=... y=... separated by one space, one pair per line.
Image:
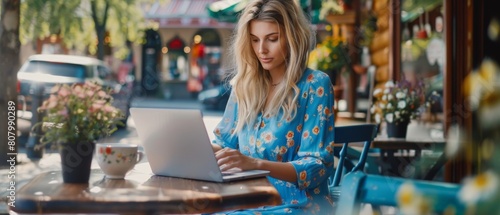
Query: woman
x=280 y=113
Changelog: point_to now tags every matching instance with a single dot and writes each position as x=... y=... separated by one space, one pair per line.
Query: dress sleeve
x=224 y=130
x=314 y=163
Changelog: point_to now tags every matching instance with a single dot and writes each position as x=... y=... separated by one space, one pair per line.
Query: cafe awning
x=183 y=14
x=228 y=10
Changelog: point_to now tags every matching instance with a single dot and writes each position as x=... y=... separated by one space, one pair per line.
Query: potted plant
x=329 y=56
x=74 y=118
x=396 y=104
x=331 y=7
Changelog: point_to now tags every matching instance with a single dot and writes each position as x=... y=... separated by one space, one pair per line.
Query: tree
x=83 y=24
x=9 y=63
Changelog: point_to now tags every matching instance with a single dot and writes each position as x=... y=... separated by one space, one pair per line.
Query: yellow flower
x=327 y=55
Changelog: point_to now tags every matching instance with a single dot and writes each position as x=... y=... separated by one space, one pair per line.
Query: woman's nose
x=262 y=48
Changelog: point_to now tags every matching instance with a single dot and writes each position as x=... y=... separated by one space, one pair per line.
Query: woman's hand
x=216 y=147
x=228 y=158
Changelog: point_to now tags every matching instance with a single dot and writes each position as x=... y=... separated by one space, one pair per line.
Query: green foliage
x=367 y=30
x=73 y=21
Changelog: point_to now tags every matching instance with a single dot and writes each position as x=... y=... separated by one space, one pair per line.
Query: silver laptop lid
x=176 y=143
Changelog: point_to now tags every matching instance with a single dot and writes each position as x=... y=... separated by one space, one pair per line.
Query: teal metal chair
x=378 y=190
x=349 y=159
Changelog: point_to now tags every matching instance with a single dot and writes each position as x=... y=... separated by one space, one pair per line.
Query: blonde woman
x=280 y=113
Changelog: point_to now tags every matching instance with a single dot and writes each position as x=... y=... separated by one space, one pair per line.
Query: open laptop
x=177 y=144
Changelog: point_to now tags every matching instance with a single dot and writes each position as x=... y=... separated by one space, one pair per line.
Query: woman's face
x=268 y=44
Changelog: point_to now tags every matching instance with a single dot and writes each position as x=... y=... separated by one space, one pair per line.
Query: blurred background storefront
x=184 y=49
x=187 y=44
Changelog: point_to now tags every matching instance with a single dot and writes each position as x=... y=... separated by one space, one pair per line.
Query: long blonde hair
x=250 y=81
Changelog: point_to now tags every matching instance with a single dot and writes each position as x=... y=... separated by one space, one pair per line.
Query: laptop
x=177 y=144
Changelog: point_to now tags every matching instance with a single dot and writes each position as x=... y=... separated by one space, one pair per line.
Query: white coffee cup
x=116 y=159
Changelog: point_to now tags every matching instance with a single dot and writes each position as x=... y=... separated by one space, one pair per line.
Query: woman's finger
x=221 y=153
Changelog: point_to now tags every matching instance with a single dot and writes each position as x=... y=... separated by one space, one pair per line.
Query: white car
x=43 y=71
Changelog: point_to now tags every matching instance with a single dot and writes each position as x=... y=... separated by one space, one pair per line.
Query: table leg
x=441 y=161
x=389 y=163
x=393 y=165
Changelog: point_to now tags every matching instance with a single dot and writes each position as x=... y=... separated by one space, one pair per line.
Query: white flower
x=389 y=84
x=372 y=109
x=401 y=104
x=390 y=97
x=378 y=119
x=330 y=6
x=381 y=105
x=389 y=106
x=400 y=95
x=397 y=114
x=384 y=98
x=481 y=187
x=494 y=30
x=410 y=201
x=387 y=91
x=454 y=141
x=389 y=117
x=376 y=92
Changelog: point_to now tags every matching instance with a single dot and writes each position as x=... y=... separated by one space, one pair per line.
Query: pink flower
x=109 y=109
x=63 y=92
x=81 y=95
x=77 y=89
x=55 y=89
x=90 y=93
x=102 y=94
x=96 y=106
x=63 y=112
x=51 y=102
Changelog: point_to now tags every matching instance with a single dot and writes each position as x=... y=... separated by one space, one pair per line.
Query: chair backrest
x=380 y=190
x=349 y=134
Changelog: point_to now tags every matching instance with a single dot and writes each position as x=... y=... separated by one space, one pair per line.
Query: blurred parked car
x=215 y=98
x=43 y=71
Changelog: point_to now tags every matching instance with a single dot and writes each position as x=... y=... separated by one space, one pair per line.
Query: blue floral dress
x=305 y=141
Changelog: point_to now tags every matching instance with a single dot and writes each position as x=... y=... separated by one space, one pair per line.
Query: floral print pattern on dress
x=304 y=140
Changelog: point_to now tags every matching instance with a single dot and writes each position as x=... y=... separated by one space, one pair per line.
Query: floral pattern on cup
x=119 y=158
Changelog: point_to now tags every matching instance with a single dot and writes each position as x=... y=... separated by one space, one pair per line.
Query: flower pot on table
x=397 y=129
x=76 y=160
